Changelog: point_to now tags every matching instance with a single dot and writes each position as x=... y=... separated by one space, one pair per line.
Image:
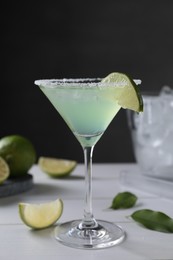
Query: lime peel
x=4 y=170
x=127 y=92
x=39 y=216
x=56 y=167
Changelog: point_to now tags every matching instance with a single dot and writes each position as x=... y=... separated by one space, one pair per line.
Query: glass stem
x=88 y=218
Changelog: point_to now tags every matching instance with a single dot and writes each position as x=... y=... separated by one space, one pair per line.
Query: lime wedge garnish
x=127 y=93
x=38 y=216
x=56 y=167
x=4 y=170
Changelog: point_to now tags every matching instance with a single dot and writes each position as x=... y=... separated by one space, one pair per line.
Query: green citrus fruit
x=38 y=216
x=4 y=170
x=127 y=93
x=56 y=167
x=19 y=153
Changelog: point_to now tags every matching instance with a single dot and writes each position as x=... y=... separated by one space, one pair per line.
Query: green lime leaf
x=124 y=200
x=154 y=220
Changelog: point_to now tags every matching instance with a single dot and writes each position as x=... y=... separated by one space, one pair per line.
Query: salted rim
x=82 y=82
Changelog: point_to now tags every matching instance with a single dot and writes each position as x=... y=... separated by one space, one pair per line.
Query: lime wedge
x=38 y=216
x=56 y=167
x=127 y=92
x=4 y=170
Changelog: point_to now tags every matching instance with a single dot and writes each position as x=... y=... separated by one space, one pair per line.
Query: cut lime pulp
x=38 y=216
x=4 y=170
x=56 y=167
x=127 y=93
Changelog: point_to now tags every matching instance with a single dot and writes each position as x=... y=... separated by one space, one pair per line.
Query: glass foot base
x=105 y=234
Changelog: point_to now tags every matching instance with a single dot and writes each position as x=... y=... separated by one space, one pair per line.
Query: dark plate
x=16 y=185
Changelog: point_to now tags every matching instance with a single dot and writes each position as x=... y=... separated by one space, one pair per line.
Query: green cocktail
x=88 y=106
x=87 y=110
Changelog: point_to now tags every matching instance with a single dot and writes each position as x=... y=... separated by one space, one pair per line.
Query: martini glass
x=87 y=106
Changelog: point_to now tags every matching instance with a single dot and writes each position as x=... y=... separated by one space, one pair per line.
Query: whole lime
x=19 y=153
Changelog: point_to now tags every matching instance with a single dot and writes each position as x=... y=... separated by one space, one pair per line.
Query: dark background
x=56 y=39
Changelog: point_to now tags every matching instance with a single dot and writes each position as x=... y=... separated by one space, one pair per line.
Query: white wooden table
x=19 y=242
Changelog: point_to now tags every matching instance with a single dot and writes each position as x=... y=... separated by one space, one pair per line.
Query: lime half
x=4 y=170
x=56 y=167
x=127 y=93
x=38 y=216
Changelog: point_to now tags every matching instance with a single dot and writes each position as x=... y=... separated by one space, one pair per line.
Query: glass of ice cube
x=152 y=134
